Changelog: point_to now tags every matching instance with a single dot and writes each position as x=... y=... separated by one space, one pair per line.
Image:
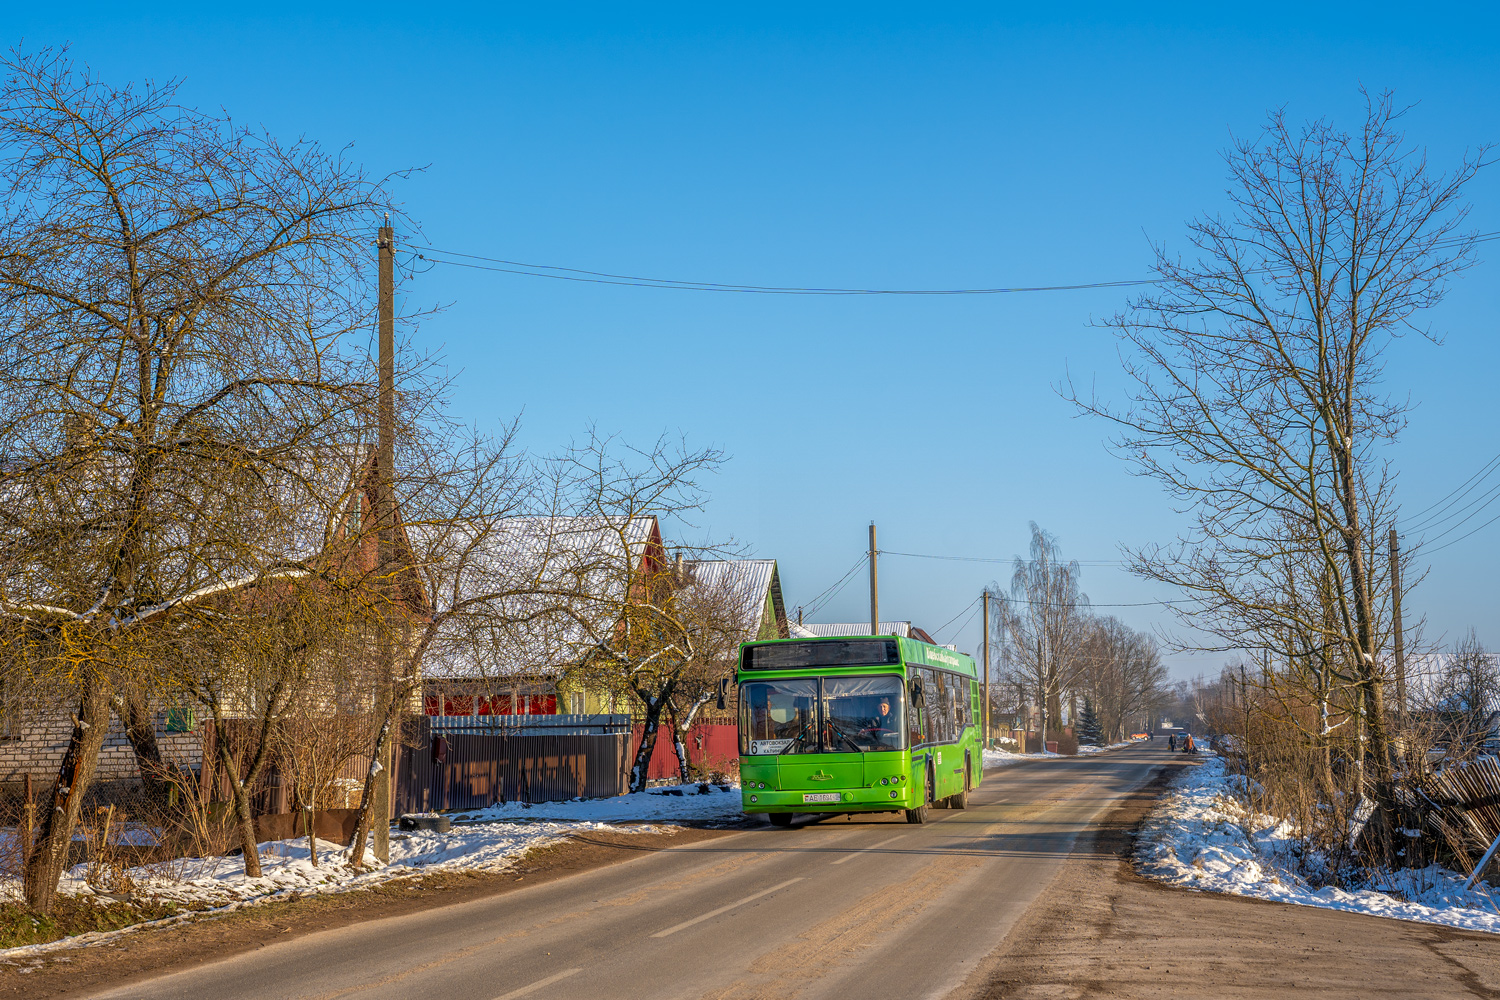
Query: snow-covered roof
x=823 y=630
x=564 y=580
x=745 y=583
x=210 y=536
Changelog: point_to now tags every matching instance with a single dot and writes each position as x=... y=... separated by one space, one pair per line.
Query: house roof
x=747 y=583
x=563 y=581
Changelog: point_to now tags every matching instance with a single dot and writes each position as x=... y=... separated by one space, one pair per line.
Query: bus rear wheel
x=960 y=800
x=780 y=819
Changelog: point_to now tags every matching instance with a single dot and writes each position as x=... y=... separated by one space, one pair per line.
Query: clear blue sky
x=848 y=145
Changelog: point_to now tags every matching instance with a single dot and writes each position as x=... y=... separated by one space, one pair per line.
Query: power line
x=950 y=621
x=993 y=559
x=1493 y=496
x=828 y=594
x=605 y=278
x=438 y=255
x=1418 y=522
x=963 y=625
x=1090 y=605
x=1463 y=536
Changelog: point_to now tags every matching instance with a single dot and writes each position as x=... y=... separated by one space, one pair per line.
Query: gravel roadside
x=1101 y=930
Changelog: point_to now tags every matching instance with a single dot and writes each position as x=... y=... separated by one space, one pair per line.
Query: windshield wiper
x=846 y=737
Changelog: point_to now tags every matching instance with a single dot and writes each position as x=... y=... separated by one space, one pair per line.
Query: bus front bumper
x=881 y=798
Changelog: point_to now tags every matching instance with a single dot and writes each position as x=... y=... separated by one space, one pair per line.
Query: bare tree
x=1041 y=625
x=1257 y=373
x=1121 y=672
x=263 y=656
x=624 y=607
x=176 y=289
x=721 y=611
x=1465 y=695
x=465 y=579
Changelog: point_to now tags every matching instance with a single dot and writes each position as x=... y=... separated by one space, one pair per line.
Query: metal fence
x=498 y=759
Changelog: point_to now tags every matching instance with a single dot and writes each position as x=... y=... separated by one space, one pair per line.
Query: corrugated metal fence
x=517 y=758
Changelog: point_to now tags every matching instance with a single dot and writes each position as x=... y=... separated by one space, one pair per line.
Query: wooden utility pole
x=385 y=461
x=985 y=716
x=874 y=585
x=1396 y=621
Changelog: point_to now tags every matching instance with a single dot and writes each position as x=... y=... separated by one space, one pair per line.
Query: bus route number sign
x=769 y=746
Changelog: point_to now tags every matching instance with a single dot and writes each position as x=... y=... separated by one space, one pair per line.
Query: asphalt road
x=869 y=907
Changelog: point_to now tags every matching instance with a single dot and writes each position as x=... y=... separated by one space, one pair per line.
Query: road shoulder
x=1101 y=930
x=152 y=952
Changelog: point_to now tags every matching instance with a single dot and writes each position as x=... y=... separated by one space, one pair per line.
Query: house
x=569 y=577
x=332 y=529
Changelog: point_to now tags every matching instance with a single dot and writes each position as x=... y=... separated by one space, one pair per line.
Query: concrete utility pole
x=874 y=585
x=385 y=461
x=985 y=715
x=1396 y=621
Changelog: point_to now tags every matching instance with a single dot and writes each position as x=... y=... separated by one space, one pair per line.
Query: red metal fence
x=712 y=746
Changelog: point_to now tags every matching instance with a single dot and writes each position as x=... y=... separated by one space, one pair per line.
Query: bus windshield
x=821 y=715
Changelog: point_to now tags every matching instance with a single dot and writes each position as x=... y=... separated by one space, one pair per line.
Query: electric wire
x=996 y=559
x=816 y=604
x=1460 y=538
x=962 y=625
x=961 y=610
x=1484 y=471
x=1493 y=496
x=709 y=286
x=1447 y=511
x=438 y=255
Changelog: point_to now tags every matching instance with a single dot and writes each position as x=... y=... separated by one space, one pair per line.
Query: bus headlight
x=756 y=798
x=893 y=795
x=885 y=781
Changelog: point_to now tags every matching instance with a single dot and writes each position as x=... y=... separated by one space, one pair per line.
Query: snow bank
x=1201 y=837
x=1004 y=758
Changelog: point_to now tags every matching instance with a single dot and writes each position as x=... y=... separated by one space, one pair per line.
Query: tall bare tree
x=176 y=291
x=1121 y=672
x=630 y=616
x=1257 y=372
x=1042 y=625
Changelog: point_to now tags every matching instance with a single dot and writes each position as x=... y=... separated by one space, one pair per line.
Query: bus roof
x=913 y=652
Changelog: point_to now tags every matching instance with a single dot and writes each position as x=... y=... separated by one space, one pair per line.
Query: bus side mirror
x=918 y=697
x=723 y=694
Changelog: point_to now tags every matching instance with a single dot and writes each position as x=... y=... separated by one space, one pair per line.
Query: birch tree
x=1042 y=625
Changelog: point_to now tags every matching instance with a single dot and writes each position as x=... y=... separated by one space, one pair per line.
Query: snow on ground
x=1004 y=758
x=1201 y=837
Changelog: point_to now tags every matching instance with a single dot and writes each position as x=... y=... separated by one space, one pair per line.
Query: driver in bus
x=883 y=721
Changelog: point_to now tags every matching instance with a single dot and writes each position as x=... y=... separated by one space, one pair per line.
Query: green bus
x=856 y=724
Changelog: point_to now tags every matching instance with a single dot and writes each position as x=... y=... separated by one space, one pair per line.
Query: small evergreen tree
x=1088 y=725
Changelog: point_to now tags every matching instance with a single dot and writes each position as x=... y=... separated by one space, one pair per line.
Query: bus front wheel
x=919 y=814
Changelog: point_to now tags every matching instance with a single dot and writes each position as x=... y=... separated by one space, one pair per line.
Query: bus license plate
x=821 y=797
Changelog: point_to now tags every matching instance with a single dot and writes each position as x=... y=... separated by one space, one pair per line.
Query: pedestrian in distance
x=1188 y=746
x=1172 y=743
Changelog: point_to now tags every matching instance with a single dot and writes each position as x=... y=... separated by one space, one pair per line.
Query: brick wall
x=44 y=738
